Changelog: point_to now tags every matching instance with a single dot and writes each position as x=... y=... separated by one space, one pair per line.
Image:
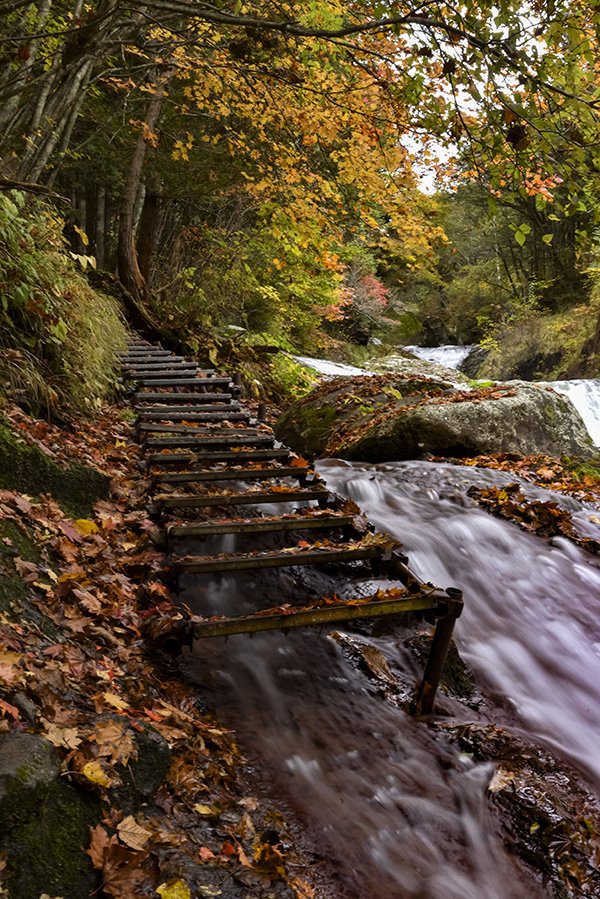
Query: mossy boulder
x=378 y=420
x=26 y=469
x=44 y=822
x=341 y=406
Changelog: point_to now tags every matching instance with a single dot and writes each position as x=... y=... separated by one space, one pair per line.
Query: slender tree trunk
x=148 y=227
x=100 y=225
x=130 y=273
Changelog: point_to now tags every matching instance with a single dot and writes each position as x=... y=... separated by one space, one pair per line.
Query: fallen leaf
x=205 y=809
x=85 y=526
x=174 y=889
x=501 y=779
x=65 y=737
x=206 y=854
x=96 y=774
x=132 y=834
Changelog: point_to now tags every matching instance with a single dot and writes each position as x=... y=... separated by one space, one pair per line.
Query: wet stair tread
x=211 y=382
x=156 y=410
x=208 y=441
x=150 y=397
x=264 y=525
x=194 y=431
x=167 y=458
x=279 y=559
x=297 y=616
x=185 y=501
x=233 y=474
x=154 y=371
x=193 y=416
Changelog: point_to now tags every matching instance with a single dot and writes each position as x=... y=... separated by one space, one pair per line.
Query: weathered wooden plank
x=185 y=382
x=176 y=501
x=194 y=431
x=145 y=397
x=233 y=474
x=259 y=525
x=153 y=442
x=151 y=413
x=218 y=456
x=303 y=617
x=193 y=416
x=276 y=559
x=166 y=373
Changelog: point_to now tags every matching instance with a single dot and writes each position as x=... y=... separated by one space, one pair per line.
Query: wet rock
x=343 y=405
x=44 y=822
x=143 y=775
x=379 y=420
x=549 y=818
x=471 y=365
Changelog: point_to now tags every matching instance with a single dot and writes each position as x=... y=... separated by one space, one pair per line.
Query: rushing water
x=450 y=356
x=331 y=369
x=395 y=808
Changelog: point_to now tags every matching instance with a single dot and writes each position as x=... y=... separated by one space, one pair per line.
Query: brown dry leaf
x=99 y=843
x=114 y=740
x=132 y=834
x=121 y=868
x=302 y=889
x=205 y=854
x=65 y=737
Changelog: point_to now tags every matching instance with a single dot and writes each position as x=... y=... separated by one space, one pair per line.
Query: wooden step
x=177 y=501
x=189 y=458
x=276 y=559
x=406 y=604
x=204 y=398
x=200 y=383
x=166 y=373
x=152 y=413
x=153 y=359
x=159 y=368
x=193 y=416
x=194 y=431
x=233 y=474
x=154 y=442
x=259 y=525
x=160 y=356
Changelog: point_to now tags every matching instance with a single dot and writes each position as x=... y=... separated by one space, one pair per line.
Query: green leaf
x=520 y=237
x=548 y=238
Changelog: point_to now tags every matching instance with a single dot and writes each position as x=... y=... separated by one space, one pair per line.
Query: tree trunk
x=148 y=228
x=130 y=273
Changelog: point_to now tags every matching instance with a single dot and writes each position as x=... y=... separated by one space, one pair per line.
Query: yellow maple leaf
x=96 y=774
x=115 y=701
x=86 y=526
x=175 y=889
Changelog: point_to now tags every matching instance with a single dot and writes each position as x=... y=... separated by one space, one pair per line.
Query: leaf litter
x=95 y=685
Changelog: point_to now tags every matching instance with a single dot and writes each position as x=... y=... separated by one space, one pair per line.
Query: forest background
x=298 y=175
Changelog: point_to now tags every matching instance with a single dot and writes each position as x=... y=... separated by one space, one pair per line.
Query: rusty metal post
x=422 y=703
x=237 y=388
x=262 y=412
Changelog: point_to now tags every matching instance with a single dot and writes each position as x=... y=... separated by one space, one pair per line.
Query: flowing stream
x=392 y=804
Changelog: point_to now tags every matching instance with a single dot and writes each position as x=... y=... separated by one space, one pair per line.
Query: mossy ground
x=26 y=469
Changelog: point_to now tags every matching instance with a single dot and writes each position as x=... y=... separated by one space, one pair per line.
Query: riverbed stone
x=378 y=420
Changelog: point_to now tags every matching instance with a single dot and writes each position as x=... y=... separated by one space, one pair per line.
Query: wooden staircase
x=212 y=469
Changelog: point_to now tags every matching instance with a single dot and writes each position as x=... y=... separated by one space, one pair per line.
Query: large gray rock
x=44 y=822
x=371 y=423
